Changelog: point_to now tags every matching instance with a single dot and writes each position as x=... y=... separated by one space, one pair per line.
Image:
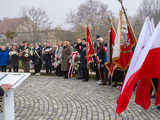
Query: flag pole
x=127 y=19
x=110 y=53
x=99 y=72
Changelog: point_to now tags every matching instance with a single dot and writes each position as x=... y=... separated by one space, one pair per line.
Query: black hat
x=98 y=36
x=84 y=39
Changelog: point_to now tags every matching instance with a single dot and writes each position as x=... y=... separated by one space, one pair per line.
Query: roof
x=10 y=24
x=3 y=37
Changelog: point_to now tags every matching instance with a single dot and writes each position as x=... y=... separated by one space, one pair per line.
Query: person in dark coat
x=37 y=59
x=47 y=57
x=83 y=61
x=4 y=58
x=14 y=58
x=66 y=54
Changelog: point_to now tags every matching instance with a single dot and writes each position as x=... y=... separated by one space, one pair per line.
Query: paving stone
x=55 y=98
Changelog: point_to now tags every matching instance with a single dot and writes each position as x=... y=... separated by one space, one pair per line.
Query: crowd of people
x=63 y=58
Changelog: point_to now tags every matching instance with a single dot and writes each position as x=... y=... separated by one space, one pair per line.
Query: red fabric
x=126 y=51
x=149 y=69
x=112 y=35
x=158 y=94
x=90 y=50
x=143 y=93
x=124 y=97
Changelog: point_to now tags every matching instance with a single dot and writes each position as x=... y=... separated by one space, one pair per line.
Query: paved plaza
x=54 y=98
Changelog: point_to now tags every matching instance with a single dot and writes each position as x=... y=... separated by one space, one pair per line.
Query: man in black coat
x=83 y=60
x=79 y=49
x=37 y=59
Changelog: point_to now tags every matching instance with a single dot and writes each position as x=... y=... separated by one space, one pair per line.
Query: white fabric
x=142 y=48
x=116 y=47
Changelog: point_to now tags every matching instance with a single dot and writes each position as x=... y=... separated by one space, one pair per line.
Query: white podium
x=15 y=79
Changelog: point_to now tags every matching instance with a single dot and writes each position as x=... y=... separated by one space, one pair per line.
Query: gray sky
x=57 y=9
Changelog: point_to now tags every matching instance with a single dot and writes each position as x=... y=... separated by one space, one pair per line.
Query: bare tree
x=40 y=20
x=94 y=13
x=149 y=8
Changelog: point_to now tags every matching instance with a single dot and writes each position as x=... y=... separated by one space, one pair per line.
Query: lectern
x=15 y=79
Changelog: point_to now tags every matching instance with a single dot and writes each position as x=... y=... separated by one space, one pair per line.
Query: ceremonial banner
x=144 y=66
x=124 y=41
x=90 y=50
x=109 y=64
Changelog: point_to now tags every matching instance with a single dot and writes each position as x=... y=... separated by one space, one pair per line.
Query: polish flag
x=144 y=86
x=144 y=65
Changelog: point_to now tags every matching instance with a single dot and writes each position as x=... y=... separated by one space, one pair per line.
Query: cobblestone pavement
x=53 y=98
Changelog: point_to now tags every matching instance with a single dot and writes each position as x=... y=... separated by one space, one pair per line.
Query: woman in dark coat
x=66 y=54
x=14 y=58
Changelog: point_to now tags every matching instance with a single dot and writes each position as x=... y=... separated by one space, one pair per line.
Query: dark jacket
x=83 y=56
x=37 y=56
x=14 y=58
x=26 y=54
x=79 y=47
x=4 y=58
x=101 y=54
x=47 y=56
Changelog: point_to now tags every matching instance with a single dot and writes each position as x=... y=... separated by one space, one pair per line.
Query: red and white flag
x=144 y=66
